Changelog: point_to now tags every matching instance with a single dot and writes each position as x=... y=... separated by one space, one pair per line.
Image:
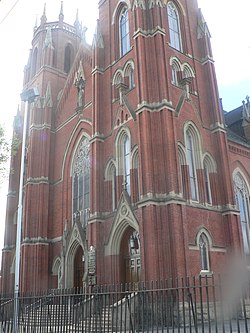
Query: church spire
x=44 y=17
x=61 y=15
x=77 y=23
x=35 y=26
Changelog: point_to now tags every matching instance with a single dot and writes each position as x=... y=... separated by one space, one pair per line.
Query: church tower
x=128 y=174
x=54 y=48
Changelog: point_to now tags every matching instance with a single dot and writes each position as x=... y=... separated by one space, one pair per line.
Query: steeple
x=61 y=15
x=35 y=26
x=44 y=17
x=77 y=24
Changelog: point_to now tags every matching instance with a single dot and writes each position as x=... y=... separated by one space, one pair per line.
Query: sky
x=228 y=23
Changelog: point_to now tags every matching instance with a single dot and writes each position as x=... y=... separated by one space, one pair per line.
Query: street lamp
x=28 y=96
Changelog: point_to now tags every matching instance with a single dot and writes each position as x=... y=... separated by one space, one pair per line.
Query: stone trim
x=39 y=127
x=149 y=33
x=155 y=107
x=37 y=180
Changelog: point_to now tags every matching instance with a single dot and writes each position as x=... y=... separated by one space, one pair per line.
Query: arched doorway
x=130 y=257
x=78 y=268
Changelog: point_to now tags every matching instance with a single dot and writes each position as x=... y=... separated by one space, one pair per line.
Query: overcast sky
x=228 y=22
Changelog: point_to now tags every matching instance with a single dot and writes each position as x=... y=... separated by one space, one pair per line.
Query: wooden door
x=78 y=268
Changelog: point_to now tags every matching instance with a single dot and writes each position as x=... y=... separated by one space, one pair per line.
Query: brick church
x=133 y=171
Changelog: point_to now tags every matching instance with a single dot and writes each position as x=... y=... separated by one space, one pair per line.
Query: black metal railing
x=198 y=304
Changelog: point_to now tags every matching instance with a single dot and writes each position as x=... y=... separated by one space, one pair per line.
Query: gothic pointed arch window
x=124 y=32
x=204 y=252
x=242 y=201
x=34 y=62
x=123 y=159
x=209 y=167
x=190 y=146
x=126 y=162
x=110 y=176
x=135 y=175
x=81 y=182
x=182 y=165
x=68 y=54
x=174 y=26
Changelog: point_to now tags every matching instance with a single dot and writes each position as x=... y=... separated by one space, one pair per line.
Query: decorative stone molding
x=202 y=28
x=153 y=3
x=138 y=4
x=246 y=109
x=155 y=107
x=98 y=41
x=38 y=180
x=79 y=83
x=47 y=102
x=39 y=127
x=149 y=33
x=124 y=218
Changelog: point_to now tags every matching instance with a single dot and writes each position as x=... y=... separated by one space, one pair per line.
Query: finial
x=246 y=108
x=44 y=18
x=35 y=26
x=98 y=39
x=44 y=10
x=61 y=16
x=77 y=23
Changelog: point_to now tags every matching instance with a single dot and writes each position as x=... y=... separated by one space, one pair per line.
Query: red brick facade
x=142 y=211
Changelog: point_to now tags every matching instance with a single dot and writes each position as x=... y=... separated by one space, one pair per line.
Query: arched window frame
x=193 y=153
x=188 y=72
x=34 y=62
x=241 y=190
x=209 y=167
x=182 y=162
x=126 y=163
x=174 y=26
x=110 y=175
x=68 y=56
x=117 y=79
x=81 y=182
x=123 y=153
x=203 y=244
x=135 y=166
x=124 y=36
x=129 y=75
x=57 y=271
x=192 y=166
x=175 y=73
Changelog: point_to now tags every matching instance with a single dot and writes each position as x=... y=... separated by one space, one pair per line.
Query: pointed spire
x=77 y=19
x=77 y=24
x=98 y=39
x=44 y=17
x=35 y=26
x=61 y=15
x=202 y=29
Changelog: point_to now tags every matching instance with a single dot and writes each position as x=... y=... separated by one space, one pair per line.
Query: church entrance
x=131 y=261
x=78 y=268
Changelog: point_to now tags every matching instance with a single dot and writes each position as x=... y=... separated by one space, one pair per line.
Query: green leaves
x=5 y=148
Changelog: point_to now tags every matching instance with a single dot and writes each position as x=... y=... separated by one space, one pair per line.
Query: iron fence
x=202 y=304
